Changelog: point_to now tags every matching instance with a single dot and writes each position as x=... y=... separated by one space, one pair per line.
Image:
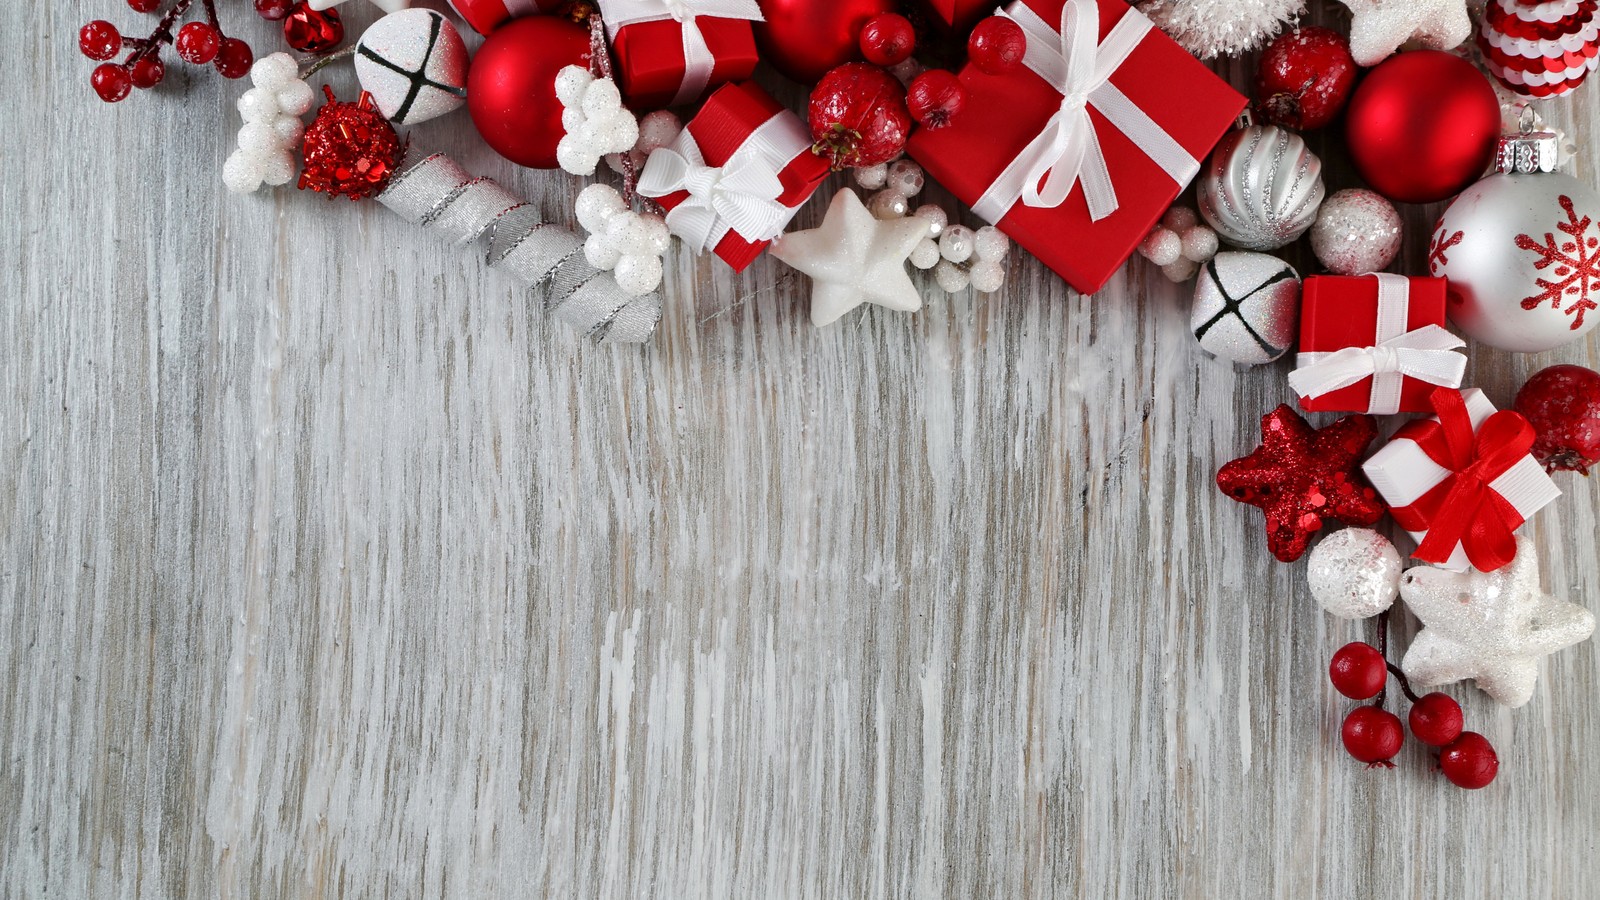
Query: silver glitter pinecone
x=1261 y=188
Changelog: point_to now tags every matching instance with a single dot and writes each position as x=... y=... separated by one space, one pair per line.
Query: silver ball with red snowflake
x=1521 y=249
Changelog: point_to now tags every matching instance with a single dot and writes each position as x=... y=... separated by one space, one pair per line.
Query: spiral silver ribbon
x=438 y=194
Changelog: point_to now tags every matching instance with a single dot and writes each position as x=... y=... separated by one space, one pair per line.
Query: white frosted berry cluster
x=1179 y=244
x=959 y=256
x=272 y=127
x=595 y=120
x=656 y=130
x=626 y=243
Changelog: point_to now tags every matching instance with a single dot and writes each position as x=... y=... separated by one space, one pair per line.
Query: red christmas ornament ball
x=1422 y=126
x=1436 y=719
x=350 y=149
x=935 y=98
x=997 y=46
x=803 y=39
x=511 y=86
x=1470 y=761
x=1358 y=671
x=1372 y=735
x=1304 y=78
x=1562 y=403
x=312 y=31
x=888 y=39
x=858 y=116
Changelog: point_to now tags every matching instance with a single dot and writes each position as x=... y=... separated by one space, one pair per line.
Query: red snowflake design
x=1577 y=266
x=1436 y=257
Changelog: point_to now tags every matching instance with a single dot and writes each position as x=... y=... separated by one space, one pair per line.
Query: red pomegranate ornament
x=1304 y=78
x=350 y=150
x=858 y=116
x=1562 y=403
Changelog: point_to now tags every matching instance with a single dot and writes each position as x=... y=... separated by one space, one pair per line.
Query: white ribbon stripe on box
x=740 y=196
x=1426 y=354
x=698 y=60
x=1067 y=150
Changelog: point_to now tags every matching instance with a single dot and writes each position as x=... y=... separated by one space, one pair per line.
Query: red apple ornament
x=803 y=39
x=511 y=87
x=1304 y=78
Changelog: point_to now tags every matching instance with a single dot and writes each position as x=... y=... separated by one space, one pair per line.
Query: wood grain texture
x=332 y=570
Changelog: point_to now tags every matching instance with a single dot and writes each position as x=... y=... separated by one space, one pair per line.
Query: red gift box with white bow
x=671 y=52
x=1077 y=153
x=736 y=174
x=486 y=15
x=1374 y=344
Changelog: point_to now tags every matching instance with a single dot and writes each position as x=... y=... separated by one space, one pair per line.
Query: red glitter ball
x=350 y=150
x=1302 y=477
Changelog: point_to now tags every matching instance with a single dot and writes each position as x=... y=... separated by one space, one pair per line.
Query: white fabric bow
x=739 y=196
x=1067 y=150
x=698 y=60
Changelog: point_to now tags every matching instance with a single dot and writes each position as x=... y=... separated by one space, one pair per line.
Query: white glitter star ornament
x=1491 y=627
x=854 y=258
x=1379 y=27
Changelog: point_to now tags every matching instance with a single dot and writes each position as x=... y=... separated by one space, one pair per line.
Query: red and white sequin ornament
x=1540 y=50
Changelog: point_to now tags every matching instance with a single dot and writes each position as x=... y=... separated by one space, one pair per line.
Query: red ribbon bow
x=1463 y=508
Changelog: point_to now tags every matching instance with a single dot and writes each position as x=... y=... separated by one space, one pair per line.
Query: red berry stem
x=1405 y=683
x=1383 y=651
x=210 y=7
x=600 y=67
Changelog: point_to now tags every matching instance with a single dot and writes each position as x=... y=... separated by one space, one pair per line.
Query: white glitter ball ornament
x=1357 y=232
x=1261 y=188
x=1210 y=28
x=414 y=65
x=1354 y=573
x=1246 y=307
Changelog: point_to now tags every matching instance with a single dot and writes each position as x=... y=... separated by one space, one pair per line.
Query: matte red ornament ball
x=997 y=46
x=1422 y=126
x=803 y=39
x=1470 y=761
x=1358 y=671
x=888 y=39
x=511 y=86
x=1435 y=719
x=1372 y=735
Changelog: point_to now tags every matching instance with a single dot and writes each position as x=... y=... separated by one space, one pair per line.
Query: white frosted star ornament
x=1379 y=27
x=387 y=6
x=1491 y=627
x=854 y=258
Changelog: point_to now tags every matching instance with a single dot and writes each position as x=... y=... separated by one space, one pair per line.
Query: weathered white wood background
x=332 y=570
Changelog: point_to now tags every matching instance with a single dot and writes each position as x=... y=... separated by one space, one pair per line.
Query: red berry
x=997 y=46
x=1435 y=719
x=111 y=81
x=1470 y=761
x=1372 y=735
x=99 y=40
x=147 y=72
x=143 y=5
x=935 y=98
x=312 y=31
x=1304 y=78
x=1358 y=671
x=234 y=58
x=198 y=43
x=273 y=10
x=888 y=39
x=858 y=116
x=1562 y=403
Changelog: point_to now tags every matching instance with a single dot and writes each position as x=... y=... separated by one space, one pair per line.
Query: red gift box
x=671 y=55
x=1101 y=190
x=959 y=15
x=486 y=15
x=1374 y=343
x=736 y=174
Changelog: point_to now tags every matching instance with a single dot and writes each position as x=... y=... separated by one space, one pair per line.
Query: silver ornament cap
x=1527 y=151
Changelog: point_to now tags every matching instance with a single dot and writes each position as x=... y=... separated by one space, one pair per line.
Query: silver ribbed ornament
x=1261 y=188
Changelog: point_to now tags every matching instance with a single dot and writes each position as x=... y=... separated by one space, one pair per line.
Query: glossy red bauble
x=1304 y=78
x=1562 y=403
x=997 y=46
x=1470 y=761
x=858 y=116
x=1435 y=719
x=313 y=31
x=511 y=86
x=1422 y=126
x=935 y=98
x=1358 y=671
x=803 y=39
x=99 y=40
x=888 y=39
x=1372 y=735
x=350 y=149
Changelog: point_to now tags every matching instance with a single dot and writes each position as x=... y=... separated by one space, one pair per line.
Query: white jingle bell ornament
x=1246 y=307
x=414 y=65
x=1521 y=250
x=1261 y=188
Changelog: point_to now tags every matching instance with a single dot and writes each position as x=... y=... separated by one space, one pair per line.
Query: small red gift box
x=1374 y=344
x=959 y=15
x=1076 y=160
x=736 y=174
x=670 y=54
x=486 y=15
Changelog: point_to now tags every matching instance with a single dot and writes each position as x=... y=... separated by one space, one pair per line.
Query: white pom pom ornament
x=1354 y=573
x=596 y=122
x=626 y=243
x=272 y=128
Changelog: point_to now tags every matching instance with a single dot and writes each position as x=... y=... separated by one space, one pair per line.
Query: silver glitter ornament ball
x=1357 y=232
x=1354 y=573
x=1261 y=188
x=1246 y=307
x=414 y=65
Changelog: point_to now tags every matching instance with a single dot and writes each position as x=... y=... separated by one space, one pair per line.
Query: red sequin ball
x=349 y=149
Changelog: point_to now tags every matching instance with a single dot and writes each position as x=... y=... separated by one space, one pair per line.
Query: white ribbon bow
x=1425 y=354
x=698 y=61
x=1067 y=150
x=739 y=196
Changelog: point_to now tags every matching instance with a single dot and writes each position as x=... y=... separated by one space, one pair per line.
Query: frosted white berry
x=956 y=245
x=295 y=98
x=573 y=156
x=638 y=274
x=888 y=204
x=288 y=130
x=257 y=105
x=905 y=178
x=274 y=71
x=991 y=245
x=601 y=98
x=240 y=173
x=657 y=236
x=629 y=233
x=572 y=119
x=951 y=277
x=906 y=70
x=872 y=177
x=1180 y=270
x=258 y=138
x=657 y=130
x=571 y=83
x=1180 y=219
x=618 y=133
x=936 y=218
x=926 y=254
x=600 y=252
x=1200 y=244
x=987 y=275
x=277 y=168
x=1162 y=246
x=595 y=206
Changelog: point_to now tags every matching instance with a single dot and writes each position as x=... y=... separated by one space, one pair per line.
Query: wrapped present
x=486 y=15
x=1374 y=344
x=1076 y=154
x=1462 y=482
x=670 y=52
x=959 y=15
x=736 y=174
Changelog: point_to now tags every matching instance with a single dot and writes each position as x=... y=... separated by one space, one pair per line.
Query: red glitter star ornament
x=349 y=149
x=1302 y=477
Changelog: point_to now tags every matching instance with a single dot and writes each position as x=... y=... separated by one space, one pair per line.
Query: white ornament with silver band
x=698 y=61
x=1426 y=354
x=739 y=196
x=1067 y=151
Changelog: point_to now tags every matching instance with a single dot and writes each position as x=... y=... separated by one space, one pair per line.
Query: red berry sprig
x=935 y=98
x=887 y=39
x=1374 y=735
x=196 y=42
x=997 y=46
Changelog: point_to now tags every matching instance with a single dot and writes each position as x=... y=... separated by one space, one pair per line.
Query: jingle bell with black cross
x=1246 y=307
